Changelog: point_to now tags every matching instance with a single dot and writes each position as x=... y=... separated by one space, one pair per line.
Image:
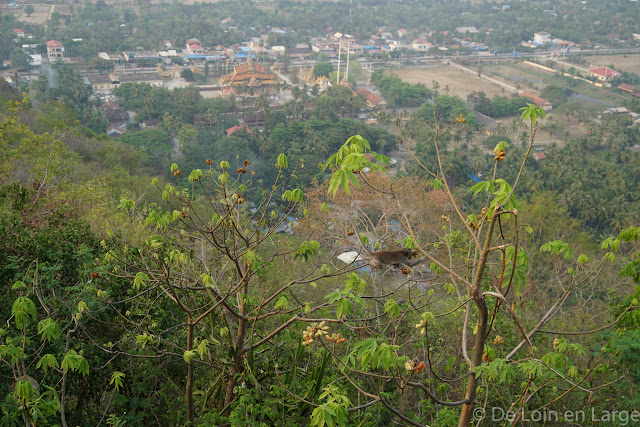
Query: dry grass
x=39 y=17
x=630 y=64
x=459 y=83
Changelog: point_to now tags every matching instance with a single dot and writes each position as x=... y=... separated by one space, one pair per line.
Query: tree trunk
x=239 y=350
x=189 y=388
x=476 y=293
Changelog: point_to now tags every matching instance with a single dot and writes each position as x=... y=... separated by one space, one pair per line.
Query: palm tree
x=321 y=146
x=265 y=144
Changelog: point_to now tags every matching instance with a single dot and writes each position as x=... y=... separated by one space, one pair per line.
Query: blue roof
x=196 y=57
x=90 y=24
x=245 y=49
x=244 y=55
x=369 y=47
x=279 y=31
x=473 y=177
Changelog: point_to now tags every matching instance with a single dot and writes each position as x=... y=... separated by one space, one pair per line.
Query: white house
x=36 y=60
x=421 y=45
x=55 y=50
x=194 y=48
x=467 y=30
x=541 y=37
x=279 y=50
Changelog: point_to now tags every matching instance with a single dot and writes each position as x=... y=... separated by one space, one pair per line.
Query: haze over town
x=319 y=212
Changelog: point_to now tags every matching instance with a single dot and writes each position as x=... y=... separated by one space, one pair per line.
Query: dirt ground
x=459 y=83
x=630 y=64
x=39 y=17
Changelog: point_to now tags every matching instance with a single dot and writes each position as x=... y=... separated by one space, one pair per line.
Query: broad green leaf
x=47 y=361
x=392 y=308
x=140 y=280
x=202 y=348
x=189 y=355
x=282 y=162
x=19 y=286
x=82 y=307
x=195 y=175
x=48 y=329
x=283 y=302
x=23 y=309
x=116 y=379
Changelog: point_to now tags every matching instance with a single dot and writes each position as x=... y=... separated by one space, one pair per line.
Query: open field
x=529 y=78
x=629 y=63
x=459 y=83
x=38 y=17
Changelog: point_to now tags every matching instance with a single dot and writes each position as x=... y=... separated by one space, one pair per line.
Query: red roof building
x=604 y=73
x=373 y=100
x=625 y=88
x=540 y=102
x=19 y=32
x=55 y=50
x=236 y=128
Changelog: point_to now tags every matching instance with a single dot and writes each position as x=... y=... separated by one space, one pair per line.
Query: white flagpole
x=339 y=52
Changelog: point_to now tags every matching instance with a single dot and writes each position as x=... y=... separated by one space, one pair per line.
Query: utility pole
x=348 y=53
x=339 y=52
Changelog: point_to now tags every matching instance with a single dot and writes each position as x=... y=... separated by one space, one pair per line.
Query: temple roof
x=249 y=73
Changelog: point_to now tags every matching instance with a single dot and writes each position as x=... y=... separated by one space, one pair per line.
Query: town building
x=296 y=52
x=541 y=38
x=278 y=50
x=236 y=128
x=623 y=87
x=329 y=48
x=421 y=45
x=488 y=125
x=194 y=48
x=102 y=82
x=105 y=83
x=247 y=75
x=117 y=117
x=540 y=102
x=114 y=58
x=603 y=74
x=373 y=100
x=140 y=55
x=36 y=59
x=467 y=30
x=55 y=50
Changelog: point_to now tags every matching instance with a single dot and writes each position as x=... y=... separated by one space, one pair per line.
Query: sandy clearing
x=458 y=83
